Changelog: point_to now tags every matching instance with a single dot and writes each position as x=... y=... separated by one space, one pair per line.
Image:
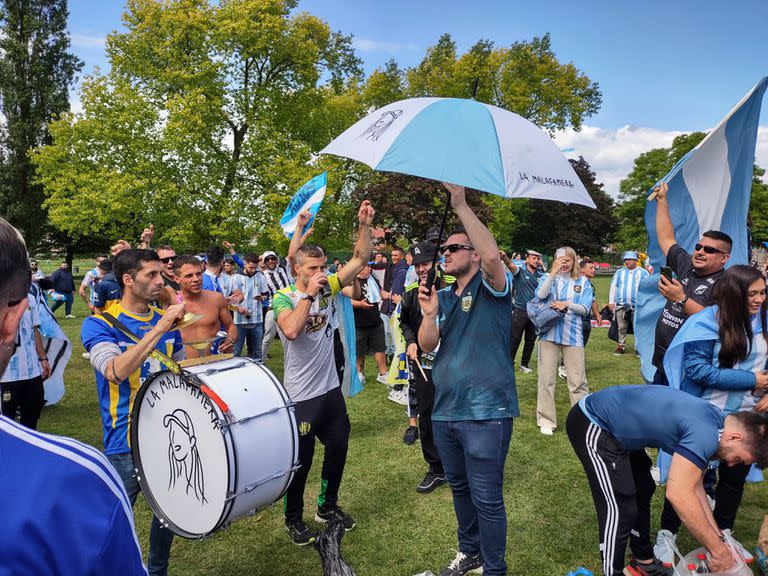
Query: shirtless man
x=212 y=305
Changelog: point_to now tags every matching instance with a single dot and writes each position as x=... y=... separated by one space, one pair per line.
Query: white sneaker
x=748 y=558
x=547 y=431
x=70 y=316
x=383 y=378
x=398 y=396
x=561 y=372
x=361 y=376
x=525 y=369
x=86 y=356
x=656 y=474
x=664 y=549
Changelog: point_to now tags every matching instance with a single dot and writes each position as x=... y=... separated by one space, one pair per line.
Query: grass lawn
x=552 y=525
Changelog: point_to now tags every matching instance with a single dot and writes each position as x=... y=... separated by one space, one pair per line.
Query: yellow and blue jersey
x=116 y=399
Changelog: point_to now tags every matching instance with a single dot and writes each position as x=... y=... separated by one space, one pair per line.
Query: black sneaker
x=430 y=482
x=463 y=564
x=411 y=435
x=300 y=534
x=655 y=568
x=327 y=514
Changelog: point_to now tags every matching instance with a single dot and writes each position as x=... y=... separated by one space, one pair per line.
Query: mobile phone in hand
x=666 y=271
x=560 y=253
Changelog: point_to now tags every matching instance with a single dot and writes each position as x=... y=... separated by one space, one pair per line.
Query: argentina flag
x=709 y=189
x=308 y=197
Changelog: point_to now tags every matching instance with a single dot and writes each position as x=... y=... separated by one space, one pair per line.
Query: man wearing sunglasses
x=167 y=255
x=475 y=394
x=696 y=275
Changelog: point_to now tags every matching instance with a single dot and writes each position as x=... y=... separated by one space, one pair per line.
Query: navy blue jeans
x=160 y=539
x=250 y=335
x=70 y=299
x=473 y=453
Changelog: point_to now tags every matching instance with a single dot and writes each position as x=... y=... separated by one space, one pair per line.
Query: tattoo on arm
x=487 y=275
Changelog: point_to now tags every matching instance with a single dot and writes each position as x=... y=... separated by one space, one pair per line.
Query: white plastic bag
x=740 y=569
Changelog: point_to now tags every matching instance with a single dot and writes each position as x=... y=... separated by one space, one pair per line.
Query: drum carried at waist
x=213 y=444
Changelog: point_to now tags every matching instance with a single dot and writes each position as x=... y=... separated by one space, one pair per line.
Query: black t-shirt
x=697 y=288
x=172 y=283
x=366 y=317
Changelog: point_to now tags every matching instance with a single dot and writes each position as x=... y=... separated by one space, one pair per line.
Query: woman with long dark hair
x=721 y=354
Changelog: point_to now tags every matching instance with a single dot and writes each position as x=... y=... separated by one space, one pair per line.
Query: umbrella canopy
x=463 y=142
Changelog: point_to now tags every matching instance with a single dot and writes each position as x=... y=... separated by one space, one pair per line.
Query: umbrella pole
x=432 y=276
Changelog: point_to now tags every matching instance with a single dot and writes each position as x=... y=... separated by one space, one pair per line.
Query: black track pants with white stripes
x=622 y=489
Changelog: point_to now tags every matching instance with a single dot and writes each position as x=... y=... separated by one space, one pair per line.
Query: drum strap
x=166 y=361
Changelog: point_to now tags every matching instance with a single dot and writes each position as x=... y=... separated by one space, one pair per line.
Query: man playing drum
x=122 y=366
x=303 y=312
x=211 y=305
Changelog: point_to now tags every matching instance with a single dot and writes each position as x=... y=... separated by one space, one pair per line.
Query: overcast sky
x=664 y=67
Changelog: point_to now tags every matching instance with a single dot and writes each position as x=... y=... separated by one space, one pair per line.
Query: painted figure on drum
x=183 y=457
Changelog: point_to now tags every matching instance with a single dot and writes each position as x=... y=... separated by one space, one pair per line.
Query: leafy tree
x=758 y=207
x=548 y=225
x=205 y=122
x=36 y=72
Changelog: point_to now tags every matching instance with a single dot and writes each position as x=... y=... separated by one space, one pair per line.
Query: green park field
x=552 y=525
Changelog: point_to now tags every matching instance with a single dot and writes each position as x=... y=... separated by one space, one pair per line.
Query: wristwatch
x=308 y=298
x=682 y=302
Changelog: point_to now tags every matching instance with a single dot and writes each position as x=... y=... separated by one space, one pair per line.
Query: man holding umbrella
x=474 y=401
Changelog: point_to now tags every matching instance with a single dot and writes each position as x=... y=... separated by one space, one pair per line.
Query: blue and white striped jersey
x=25 y=364
x=624 y=286
x=569 y=330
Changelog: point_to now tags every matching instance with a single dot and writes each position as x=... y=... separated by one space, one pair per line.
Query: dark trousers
x=660 y=378
x=473 y=453
x=325 y=418
x=160 y=539
x=522 y=325
x=425 y=400
x=68 y=301
x=25 y=396
x=622 y=488
x=728 y=482
x=250 y=336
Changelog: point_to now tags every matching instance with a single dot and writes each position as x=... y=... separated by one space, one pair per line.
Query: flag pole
x=432 y=275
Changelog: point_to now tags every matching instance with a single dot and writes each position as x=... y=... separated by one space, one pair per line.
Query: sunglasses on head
x=167 y=259
x=454 y=248
x=708 y=249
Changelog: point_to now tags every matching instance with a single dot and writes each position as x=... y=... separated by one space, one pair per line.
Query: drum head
x=180 y=454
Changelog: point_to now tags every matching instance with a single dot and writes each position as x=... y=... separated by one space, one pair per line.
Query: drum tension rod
x=246 y=418
x=255 y=485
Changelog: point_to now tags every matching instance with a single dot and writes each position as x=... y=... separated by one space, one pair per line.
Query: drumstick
x=418 y=365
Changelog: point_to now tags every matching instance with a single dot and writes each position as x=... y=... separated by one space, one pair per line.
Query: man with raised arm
x=696 y=274
x=475 y=394
x=303 y=312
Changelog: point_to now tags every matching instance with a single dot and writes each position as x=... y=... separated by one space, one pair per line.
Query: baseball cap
x=433 y=234
x=630 y=255
x=423 y=252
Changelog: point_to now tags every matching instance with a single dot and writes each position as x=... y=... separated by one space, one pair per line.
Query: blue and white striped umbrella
x=463 y=142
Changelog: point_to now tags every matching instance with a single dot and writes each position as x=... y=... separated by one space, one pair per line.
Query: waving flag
x=57 y=347
x=309 y=197
x=709 y=189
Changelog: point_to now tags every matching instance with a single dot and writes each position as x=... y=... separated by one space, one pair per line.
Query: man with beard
x=122 y=366
x=410 y=322
x=610 y=430
x=696 y=274
x=475 y=395
x=212 y=305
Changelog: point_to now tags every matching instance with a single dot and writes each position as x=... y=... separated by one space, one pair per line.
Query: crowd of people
x=421 y=314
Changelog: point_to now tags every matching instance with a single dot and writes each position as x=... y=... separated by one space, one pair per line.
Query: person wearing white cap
x=278 y=276
x=622 y=297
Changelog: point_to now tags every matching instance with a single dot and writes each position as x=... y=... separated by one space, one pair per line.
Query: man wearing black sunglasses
x=696 y=275
x=475 y=394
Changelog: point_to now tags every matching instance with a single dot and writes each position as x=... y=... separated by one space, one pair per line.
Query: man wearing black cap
x=410 y=320
x=526 y=279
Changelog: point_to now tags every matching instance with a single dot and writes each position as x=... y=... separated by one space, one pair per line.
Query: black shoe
x=463 y=564
x=411 y=435
x=327 y=514
x=300 y=534
x=655 y=568
x=430 y=482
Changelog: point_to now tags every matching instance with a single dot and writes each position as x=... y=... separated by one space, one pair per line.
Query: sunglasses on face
x=454 y=248
x=167 y=259
x=270 y=259
x=708 y=249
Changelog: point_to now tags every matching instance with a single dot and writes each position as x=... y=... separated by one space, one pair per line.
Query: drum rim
x=141 y=477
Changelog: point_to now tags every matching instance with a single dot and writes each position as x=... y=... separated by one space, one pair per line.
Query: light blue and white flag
x=709 y=189
x=308 y=197
x=58 y=349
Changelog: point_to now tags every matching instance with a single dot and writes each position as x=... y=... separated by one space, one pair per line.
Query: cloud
x=368 y=45
x=87 y=41
x=611 y=153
